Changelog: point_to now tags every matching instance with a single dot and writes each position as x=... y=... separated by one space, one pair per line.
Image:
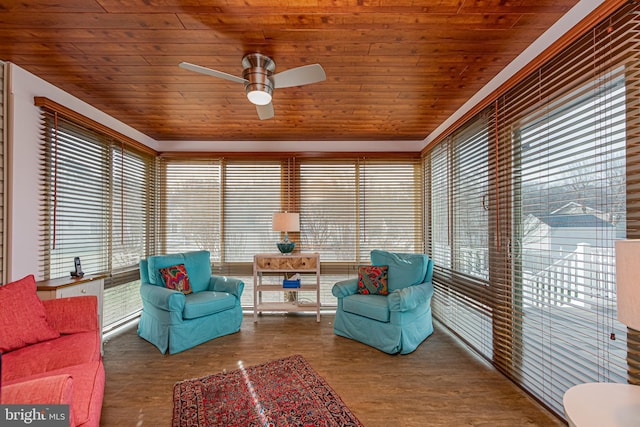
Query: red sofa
x=51 y=352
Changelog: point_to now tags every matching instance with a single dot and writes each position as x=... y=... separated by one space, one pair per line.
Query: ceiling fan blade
x=265 y=111
x=299 y=76
x=210 y=72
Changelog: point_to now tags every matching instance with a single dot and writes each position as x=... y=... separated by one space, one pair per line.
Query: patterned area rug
x=284 y=392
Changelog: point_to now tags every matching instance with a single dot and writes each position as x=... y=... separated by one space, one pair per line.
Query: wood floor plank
x=440 y=384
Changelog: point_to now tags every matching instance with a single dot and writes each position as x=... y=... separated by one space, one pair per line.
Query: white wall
x=23 y=164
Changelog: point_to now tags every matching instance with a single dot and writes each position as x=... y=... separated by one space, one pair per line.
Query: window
x=98 y=204
x=438 y=170
x=77 y=195
x=555 y=162
x=328 y=209
x=190 y=206
x=389 y=206
x=572 y=209
x=347 y=207
x=251 y=196
x=458 y=212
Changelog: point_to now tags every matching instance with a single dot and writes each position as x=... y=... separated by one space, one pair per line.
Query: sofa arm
x=55 y=390
x=226 y=284
x=345 y=288
x=410 y=297
x=162 y=298
x=73 y=315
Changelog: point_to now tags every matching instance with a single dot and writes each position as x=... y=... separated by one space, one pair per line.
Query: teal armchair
x=173 y=321
x=393 y=323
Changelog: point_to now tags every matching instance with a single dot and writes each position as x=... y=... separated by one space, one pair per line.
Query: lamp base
x=286 y=247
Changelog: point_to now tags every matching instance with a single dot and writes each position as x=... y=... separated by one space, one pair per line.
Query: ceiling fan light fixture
x=259 y=80
x=259 y=97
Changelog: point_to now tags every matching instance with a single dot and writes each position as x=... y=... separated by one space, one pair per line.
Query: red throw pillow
x=176 y=277
x=372 y=280
x=23 y=319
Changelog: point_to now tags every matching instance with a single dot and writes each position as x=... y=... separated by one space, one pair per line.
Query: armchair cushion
x=176 y=277
x=404 y=269
x=23 y=316
x=203 y=303
x=197 y=265
x=372 y=280
x=371 y=306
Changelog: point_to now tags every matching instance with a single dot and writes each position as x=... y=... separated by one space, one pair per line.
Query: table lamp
x=286 y=222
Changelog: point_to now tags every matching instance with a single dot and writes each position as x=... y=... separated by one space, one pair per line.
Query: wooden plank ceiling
x=395 y=69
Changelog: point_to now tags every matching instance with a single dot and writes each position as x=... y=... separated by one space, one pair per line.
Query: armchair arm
x=162 y=298
x=410 y=297
x=72 y=315
x=226 y=284
x=345 y=288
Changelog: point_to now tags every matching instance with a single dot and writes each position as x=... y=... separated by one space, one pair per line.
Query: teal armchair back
x=173 y=321
x=395 y=323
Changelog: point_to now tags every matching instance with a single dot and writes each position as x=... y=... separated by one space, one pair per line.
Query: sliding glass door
x=571 y=186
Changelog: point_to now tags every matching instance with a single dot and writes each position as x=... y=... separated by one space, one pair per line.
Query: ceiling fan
x=259 y=80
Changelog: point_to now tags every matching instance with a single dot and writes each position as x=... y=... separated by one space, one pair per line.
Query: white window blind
x=459 y=188
x=133 y=230
x=349 y=207
x=571 y=179
x=132 y=207
x=438 y=171
x=190 y=192
x=389 y=206
x=328 y=219
x=252 y=193
x=98 y=204
x=77 y=195
x=562 y=168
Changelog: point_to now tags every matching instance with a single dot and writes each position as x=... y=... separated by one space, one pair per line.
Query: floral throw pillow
x=372 y=280
x=175 y=277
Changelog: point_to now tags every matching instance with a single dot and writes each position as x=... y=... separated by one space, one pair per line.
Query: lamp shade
x=286 y=222
x=628 y=282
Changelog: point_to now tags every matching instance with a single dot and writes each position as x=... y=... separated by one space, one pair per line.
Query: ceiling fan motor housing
x=258 y=69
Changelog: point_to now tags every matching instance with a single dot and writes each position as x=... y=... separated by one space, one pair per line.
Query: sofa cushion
x=371 y=306
x=176 y=278
x=23 y=318
x=404 y=269
x=200 y=304
x=73 y=314
x=68 y=350
x=372 y=280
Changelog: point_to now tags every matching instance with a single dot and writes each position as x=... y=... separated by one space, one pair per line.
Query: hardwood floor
x=440 y=384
